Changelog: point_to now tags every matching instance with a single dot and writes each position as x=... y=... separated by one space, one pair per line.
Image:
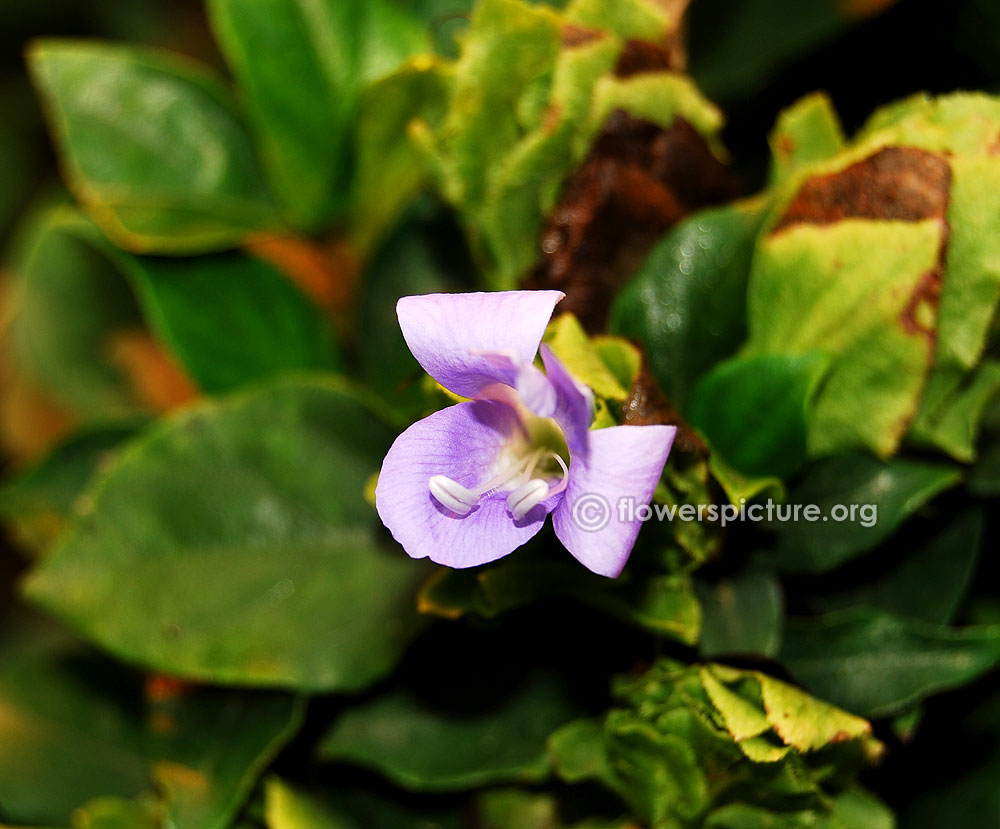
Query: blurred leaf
x=570 y=343
x=118 y=813
x=523 y=809
x=897 y=489
x=877 y=664
x=69 y=305
x=153 y=146
x=806 y=132
x=389 y=168
x=687 y=304
x=956 y=392
x=330 y=49
x=741 y=615
x=954 y=424
x=753 y=411
x=41 y=499
x=928 y=582
x=232 y=319
x=662 y=604
x=238 y=495
x=293 y=807
x=415 y=259
x=289 y=808
x=726 y=36
x=488 y=737
x=854 y=809
x=75 y=728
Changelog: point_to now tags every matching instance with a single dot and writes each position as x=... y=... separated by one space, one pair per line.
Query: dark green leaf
x=294 y=807
x=232 y=319
x=69 y=305
x=412 y=261
x=741 y=615
x=302 y=66
x=75 y=728
x=929 y=581
x=687 y=304
x=883 y=495
x=234 y=545
x=877 y=664
x=41 y=498
x=428 y=745
x=752 y=411
x=153 y=146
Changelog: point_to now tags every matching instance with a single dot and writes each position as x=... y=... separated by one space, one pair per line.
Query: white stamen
x=565 y=478
x=527 y=492
x=526 y=497
x=452 y=495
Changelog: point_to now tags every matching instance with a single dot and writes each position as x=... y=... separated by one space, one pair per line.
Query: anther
x=452 y=495
x=526 y=497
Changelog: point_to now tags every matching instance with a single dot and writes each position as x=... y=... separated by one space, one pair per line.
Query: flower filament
x=526 y=491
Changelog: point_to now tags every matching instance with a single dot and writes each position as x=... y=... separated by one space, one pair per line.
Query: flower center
x=526 y=490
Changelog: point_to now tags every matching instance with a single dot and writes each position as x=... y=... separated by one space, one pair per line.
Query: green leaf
x=389 y=167
x=229 y=318
x=662 y=604
x=478 y=738
x=69 y=304
x=687 y=304
x=570 y=343
x=882 y=494
x=853 y=809
x=752 y=411
x=42 y=498
x=523 y=809
x=261 y=497
x=75 y=728
x=877 y=664
x=232 y=319
x=413 y=260
x=727 y=60
x=118 y=813
x=806 y=132
x=523 y=111
x=928 y=582
x=843 y=289
x=302 y=66
x=153 y=146
x=741 y=615
x=293 y=807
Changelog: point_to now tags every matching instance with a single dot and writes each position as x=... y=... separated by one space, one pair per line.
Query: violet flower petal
x=623 y=462
x=453 y=335
x=574 y=409
x=463 y=442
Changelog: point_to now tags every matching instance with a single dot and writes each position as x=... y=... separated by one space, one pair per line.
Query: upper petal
x=452 y=335
x=574 y=407
x=624 y=462
x=464 y=442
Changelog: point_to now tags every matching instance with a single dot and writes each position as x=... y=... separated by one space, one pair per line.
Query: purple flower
x=471 y=483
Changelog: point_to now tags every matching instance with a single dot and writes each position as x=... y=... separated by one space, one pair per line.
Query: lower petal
x=465 y=442
x=623 y=462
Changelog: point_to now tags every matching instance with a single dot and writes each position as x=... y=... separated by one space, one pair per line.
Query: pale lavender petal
x=454 y=335
x=534 y=391
x=574 y=409
x=463 y=442
x=625 y=462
